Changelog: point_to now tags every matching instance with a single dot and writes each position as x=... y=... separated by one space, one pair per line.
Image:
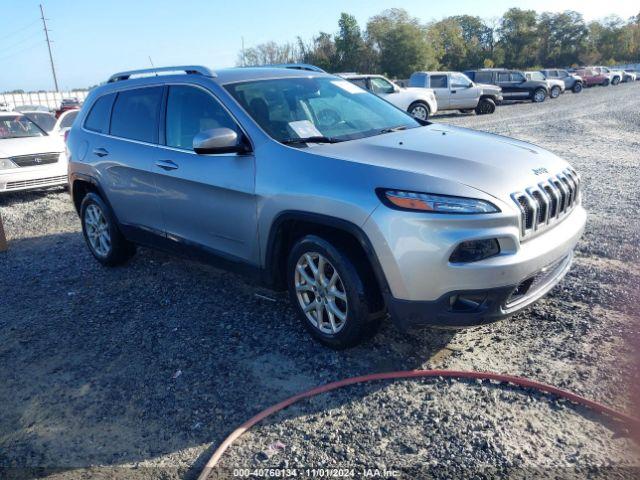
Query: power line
x=19 y=30
x=46 y=34
x=22 y=50
x=23 y=40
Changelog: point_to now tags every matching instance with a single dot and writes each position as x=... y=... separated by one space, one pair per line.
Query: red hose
x=519 y=381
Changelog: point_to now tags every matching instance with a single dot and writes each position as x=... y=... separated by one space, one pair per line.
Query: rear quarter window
x=98 y=117
x=135 y=114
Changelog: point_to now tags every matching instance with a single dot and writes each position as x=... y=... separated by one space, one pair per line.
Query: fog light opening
x=466 y=302
x=475 y=250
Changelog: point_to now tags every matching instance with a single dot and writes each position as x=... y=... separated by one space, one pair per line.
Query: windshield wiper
x=314 y=139
x=393 y=129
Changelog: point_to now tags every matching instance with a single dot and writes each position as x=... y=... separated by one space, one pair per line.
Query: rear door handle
x=167 y=165
x=453 y=91
x=100 y=152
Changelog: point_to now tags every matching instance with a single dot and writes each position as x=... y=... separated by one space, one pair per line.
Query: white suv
x=419 y=102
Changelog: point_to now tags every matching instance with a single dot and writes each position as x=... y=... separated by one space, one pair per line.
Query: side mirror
x=218 y=140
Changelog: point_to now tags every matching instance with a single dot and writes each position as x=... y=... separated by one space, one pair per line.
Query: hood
x=11 y=147
x=487 y=87
x=490 y=163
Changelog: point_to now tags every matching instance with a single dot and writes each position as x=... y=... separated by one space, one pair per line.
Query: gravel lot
x=135 y=372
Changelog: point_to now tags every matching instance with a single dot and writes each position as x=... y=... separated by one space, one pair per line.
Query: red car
x=67 y=104
x=592 y=77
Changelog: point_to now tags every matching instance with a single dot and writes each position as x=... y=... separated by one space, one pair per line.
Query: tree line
x=397 y=44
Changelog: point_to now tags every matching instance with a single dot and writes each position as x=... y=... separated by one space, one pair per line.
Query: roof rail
x=295 y=66
x=188 y=69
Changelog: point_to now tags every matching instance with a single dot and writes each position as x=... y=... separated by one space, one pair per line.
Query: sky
x=93 y=39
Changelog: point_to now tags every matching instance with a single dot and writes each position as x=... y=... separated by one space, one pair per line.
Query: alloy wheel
x=321 y=293
x=97 y=229
x=420 y=112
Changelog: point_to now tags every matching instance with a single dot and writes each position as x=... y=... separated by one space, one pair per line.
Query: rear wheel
x=101 y=232
x=555 y=92
x=539 y=95
x=419 y=110
x=615 y=81
x=577 y=87
x=606 y=82
x=329 y=293
x=485 y=106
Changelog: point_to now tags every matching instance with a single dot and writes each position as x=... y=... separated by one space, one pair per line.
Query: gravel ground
x=135 y=372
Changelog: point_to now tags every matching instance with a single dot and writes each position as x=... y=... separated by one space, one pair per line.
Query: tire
x=419 y=110
x=605 y=83
x=485 y=106
x=466 y=110
x=539 y=95
x=555 y=92
x=615 y=81
x=577 y=87
x=356 y=304
x=100 y=229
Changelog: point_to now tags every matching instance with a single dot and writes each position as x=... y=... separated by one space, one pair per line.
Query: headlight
x=428 y=202
x=6 y=164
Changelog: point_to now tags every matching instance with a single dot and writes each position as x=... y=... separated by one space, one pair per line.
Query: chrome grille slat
x=544 y=204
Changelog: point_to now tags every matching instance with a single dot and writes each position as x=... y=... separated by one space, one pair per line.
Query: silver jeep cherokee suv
x=320 y=187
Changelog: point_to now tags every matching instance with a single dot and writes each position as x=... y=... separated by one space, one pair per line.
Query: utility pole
x=46 y=34
x=243 y=61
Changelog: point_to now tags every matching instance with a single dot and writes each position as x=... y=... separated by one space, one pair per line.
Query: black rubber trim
x=407 y=314
x=271 y=271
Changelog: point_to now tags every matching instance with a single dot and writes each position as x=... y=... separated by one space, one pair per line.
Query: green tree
x=401 y=43
x=350 y=45
x=320 y=51
x=450 y=47
x=562 y=38
x=479 y=38
x=518 y=37
x=268 y=53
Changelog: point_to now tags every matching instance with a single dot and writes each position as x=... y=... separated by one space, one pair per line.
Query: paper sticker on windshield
x=305 y=129
x=347 y=86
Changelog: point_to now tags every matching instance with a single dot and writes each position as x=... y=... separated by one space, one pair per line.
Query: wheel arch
x=81 y=184
x=291 y=225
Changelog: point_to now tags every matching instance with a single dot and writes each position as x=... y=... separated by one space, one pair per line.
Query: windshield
x=45 y=121
x=328 y=107
x=19 y=126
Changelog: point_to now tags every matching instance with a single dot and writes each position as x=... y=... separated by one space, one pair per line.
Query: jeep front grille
x=35 y=160
x=545 y=204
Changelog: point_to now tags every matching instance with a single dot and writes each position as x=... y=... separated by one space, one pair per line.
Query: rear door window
x=484 y=77
x=438 y=81
x=503 y=77
x=361 y=82
x=135 y=114
x=98 y=118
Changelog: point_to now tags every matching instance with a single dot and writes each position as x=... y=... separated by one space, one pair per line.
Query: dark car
x=514 y=84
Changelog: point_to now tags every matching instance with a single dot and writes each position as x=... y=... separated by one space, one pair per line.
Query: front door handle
x=167 y=164
x=100 y=152
x=453 y=91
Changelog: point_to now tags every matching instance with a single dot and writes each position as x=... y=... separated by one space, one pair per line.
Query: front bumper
x=27 y=178
x=414 y=250
x=458 y=309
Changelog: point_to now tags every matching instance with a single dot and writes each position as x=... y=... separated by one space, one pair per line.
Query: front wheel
x=605 y=83
x=485 y=106
x=330 y=294
x=555 y=92
x=615 y=81
x=539 y=95
x=577 y=87
x=420 y=110
x=101 y=232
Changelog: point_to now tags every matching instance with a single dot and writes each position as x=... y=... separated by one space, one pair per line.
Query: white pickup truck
x=455 y=91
